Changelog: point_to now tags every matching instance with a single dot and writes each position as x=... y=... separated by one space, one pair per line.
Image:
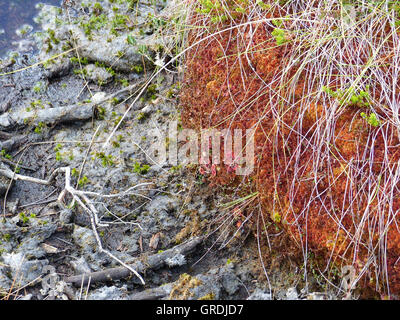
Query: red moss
x=220 y=91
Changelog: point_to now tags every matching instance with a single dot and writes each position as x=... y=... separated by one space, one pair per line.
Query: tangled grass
x=319 y=82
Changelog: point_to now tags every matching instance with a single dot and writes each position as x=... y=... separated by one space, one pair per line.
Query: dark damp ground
x=13 y=15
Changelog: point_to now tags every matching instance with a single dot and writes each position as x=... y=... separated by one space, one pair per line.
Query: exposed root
x=82 y=199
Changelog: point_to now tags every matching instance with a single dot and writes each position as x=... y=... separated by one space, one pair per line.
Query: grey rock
x=22 y=270
x=109 y=293
x=230 y=281
x=209 y=286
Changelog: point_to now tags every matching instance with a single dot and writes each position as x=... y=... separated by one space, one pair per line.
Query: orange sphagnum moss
x=329 y=172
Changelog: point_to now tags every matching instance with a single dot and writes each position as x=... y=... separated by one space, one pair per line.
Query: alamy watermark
x=186 y=146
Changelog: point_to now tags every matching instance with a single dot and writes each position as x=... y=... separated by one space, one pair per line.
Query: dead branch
x=149 y=294
x=4 y=171
x=49 y=116
x=80 y=197
x=142 y=264
x=75 y=112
